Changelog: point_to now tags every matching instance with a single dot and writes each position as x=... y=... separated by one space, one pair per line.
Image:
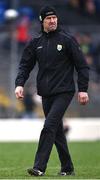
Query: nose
x=52 y=19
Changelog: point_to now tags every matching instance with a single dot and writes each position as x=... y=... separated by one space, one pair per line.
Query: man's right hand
x=19 y=92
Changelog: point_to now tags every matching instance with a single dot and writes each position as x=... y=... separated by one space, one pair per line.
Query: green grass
x=15 y=158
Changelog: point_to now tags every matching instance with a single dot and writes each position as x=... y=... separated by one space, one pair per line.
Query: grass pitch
x=15 y=158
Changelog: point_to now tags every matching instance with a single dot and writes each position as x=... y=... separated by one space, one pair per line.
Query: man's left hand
x=83 y=98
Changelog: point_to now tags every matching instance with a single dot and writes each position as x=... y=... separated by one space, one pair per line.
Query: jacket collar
x=51 y=33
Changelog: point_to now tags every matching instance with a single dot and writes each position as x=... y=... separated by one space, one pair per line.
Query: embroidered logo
x=40 y=47
x=59 y=47
x=50 y=13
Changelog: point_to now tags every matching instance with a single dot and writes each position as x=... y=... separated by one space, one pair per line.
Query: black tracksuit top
x=57 y=53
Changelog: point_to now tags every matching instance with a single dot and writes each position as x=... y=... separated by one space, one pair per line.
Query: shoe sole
x=33 y=173
x=66 y=174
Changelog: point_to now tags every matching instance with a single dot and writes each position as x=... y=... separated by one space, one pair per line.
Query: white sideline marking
x=19 y=130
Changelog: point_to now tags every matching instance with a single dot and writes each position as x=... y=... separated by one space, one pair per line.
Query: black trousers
x=52 y=133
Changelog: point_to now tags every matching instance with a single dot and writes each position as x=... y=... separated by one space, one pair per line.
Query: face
x=50 y=23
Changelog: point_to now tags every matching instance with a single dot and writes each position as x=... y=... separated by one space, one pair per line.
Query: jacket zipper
x=47 y=61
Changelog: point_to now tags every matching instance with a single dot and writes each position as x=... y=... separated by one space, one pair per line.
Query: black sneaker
x=35 y=172
x=67 y=173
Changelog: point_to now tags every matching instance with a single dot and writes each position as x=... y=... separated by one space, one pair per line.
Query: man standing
x=57 y=53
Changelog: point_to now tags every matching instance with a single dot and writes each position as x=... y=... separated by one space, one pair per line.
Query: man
x=57 y=53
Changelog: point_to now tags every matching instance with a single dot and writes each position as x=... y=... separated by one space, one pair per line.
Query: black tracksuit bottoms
x=52 y=133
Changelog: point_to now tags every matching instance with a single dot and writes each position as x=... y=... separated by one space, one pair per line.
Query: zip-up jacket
x=57 y=53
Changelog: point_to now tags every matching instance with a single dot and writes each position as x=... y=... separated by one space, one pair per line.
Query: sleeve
x=80 y=64
x=27 y=63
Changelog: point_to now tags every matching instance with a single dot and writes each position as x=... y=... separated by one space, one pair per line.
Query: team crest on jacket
x=59 y=47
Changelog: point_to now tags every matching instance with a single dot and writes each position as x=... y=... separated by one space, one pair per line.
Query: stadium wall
x=86 y=129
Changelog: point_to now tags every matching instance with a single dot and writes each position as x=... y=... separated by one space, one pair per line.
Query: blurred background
x=18 y=24
x=22 y=121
